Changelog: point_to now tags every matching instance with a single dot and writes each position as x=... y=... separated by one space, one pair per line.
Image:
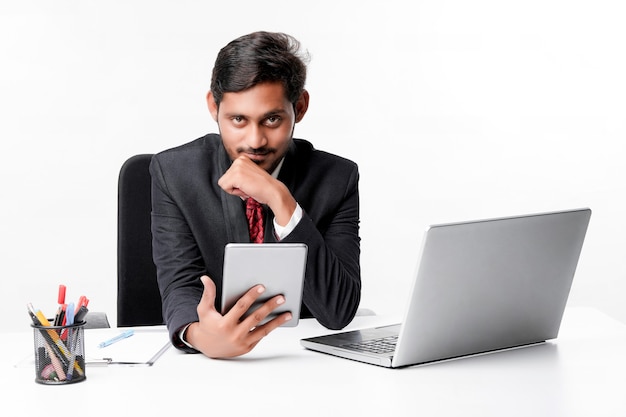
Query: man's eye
x=273 y=121
x=237 y=120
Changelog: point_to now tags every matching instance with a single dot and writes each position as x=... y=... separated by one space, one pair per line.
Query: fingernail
x=261 y=289
x=288 y=317
x=280 y=300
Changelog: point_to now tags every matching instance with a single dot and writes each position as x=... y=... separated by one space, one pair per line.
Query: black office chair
x=138 y=297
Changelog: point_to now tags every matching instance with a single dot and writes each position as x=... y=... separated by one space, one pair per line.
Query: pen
x=58 y=319
x=79 y=317
x=60 y=316
x=70 y=368
x=69 y=314
x=56 y=363
x=121 y=336
x=82 y=301
x=61 y=294
x=68 y=320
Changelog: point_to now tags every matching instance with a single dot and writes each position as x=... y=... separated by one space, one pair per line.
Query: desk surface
x=581 y=373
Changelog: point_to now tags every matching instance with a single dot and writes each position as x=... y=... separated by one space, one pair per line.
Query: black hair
x=257 y=58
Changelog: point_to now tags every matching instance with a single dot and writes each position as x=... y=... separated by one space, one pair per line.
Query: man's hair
x=257 y=58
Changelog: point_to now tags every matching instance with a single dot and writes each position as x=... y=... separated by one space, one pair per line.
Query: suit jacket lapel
x=289 y=173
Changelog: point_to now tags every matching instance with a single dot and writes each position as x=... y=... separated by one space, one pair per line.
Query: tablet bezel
x=280 y=267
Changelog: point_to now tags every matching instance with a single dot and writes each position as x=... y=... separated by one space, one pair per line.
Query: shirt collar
x=278 y=167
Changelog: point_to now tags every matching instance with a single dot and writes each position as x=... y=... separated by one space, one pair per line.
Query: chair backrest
x=138 y=297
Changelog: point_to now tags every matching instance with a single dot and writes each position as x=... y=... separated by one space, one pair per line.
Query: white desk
x=582 y=373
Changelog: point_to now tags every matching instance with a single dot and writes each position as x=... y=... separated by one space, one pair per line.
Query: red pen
x=82 y=301
x=81 y=309
x=60 y=316
x=61 y=296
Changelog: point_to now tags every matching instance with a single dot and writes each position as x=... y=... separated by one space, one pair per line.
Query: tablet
x=279 y=267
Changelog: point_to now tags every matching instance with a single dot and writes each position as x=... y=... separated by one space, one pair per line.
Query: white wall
x=460 y=109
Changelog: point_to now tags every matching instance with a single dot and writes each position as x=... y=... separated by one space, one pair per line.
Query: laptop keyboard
x=378 y=346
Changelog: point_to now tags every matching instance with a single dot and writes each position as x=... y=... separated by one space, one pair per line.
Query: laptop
x=479 y=286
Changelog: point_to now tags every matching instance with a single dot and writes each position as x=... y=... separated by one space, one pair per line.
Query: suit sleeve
x=176 y=256
x=332 y=287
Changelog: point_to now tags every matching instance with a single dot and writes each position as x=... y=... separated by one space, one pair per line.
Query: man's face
x=257 y=123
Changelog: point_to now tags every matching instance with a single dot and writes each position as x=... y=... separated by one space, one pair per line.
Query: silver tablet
x=279 y=267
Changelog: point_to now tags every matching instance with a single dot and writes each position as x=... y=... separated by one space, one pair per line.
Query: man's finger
x=207 y=302
x=245 y=302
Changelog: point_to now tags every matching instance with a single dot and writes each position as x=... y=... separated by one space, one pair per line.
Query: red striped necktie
x=254 y=213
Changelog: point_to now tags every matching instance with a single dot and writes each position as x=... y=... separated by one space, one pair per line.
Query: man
x=200 y=191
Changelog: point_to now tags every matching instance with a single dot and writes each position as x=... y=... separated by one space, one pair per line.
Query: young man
x=200 y=191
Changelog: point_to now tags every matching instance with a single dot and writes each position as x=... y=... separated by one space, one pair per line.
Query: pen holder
x=59 y=354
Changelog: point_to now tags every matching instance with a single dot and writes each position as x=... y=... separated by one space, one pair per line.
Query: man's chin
x=262 y=162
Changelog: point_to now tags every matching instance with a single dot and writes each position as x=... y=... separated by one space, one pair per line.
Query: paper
x=144 y=347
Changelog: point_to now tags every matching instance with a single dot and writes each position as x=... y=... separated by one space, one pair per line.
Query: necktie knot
x=254 y=213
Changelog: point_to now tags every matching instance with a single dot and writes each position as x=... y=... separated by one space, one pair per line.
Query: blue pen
x=121 y=336
x=69 y=314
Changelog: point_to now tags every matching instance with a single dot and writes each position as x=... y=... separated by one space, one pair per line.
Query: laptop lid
x=482 y=286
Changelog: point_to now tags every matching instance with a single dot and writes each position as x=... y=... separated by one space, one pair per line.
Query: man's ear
x=301 y=105
x=212 y=105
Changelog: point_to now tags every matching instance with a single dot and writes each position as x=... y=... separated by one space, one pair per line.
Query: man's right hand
x=227 y=336
x=246 y=179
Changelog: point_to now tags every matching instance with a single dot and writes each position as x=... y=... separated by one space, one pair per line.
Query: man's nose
x=256 y=137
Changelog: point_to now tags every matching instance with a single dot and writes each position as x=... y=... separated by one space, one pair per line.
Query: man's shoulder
x=199 y=153
x=306 y=150
x=206 y=143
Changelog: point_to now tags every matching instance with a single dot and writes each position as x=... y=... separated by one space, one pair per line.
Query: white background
x=454 y=110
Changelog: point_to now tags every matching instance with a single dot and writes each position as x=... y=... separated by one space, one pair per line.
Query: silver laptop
x=479 y=286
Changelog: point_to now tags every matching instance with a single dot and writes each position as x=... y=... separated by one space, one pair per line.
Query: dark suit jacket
x=193 y=219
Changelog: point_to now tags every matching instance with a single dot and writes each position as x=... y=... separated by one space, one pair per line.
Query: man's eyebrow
x=274 y=112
